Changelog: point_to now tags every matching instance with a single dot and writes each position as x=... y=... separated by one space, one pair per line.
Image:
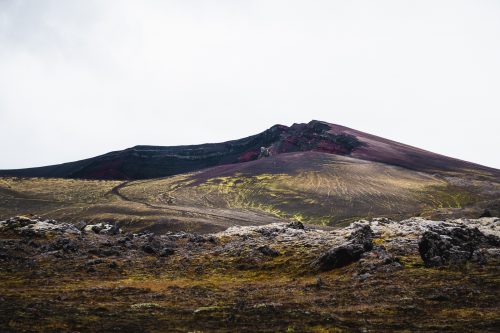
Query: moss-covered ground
x=223 y=286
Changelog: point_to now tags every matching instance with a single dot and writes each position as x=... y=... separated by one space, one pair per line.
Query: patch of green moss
x=447 y=196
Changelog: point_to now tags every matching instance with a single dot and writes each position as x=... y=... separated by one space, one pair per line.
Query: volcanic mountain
x=145 y=162
x=317 y=173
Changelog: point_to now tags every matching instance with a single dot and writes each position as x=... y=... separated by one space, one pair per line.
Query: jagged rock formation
x=359 y=242
x=438 y=242
x=35 y=226
x=264 y=152
x=454 y=245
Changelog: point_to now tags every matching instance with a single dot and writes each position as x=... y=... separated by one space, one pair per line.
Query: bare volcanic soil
x=374 y=275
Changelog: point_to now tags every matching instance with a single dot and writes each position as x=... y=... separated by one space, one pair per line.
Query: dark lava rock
x=359 y=242
x=97 y=228
x=439 y=247
x=212 y=239
x=486 y=213
x=363 y=236
x=114 y=230
x=339 y=256
x=64 y=244
x=264 y=152
x=296 y=225
x=493 y=240
x=27 y=233
x=378 y=260
x=268 y=251
x=33 y=244
x=197 y=239
x=123 y=240
x=18 y=222
x=269 y=231
x=165 y=252
x=148 y=248
x=81 y=225
x=113 y=265
x=436 y=251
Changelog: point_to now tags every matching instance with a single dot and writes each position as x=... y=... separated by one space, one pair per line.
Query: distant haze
x=82 y=78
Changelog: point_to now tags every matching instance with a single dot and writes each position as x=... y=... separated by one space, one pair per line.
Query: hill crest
x=145 y=162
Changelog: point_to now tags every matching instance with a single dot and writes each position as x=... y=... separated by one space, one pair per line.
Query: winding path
x=244 y=217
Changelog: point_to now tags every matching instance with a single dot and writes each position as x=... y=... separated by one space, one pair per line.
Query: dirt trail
x=245 y=217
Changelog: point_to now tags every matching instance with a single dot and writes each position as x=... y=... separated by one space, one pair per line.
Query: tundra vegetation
x=374 y=275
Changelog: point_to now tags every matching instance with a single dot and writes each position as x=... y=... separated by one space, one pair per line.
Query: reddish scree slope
x=142 y=162
x=381 y=150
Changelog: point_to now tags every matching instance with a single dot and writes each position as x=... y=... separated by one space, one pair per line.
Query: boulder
x=81 y=225
x=64 y=244
x=362 y=236
x=148 y=248
x=441 y=246
x=339 y=256
x=359 y=242
x=36 y=226
x=166 y=251
x=103 y=228
x=378 y=260
x=268 y=251
x=17 y=222
x=296 y=225
x=264 y=152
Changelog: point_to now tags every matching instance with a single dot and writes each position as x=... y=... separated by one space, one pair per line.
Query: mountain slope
x=312 y=187
x=316 y=188
x=144 y=162
x=317 y=173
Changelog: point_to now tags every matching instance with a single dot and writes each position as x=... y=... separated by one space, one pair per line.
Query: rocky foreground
x=373 y=276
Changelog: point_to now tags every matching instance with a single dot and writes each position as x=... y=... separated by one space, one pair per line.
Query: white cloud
x=80 y=78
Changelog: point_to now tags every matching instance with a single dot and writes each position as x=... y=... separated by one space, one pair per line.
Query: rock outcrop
x=442 y=246
x=36 y=226
x=359 y=242
x=375 y=245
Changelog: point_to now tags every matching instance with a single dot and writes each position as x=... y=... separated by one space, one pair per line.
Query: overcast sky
x=82 y=78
